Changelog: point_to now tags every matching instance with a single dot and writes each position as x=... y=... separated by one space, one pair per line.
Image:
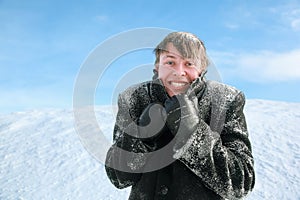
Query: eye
x=190 y=64
x=169 y=63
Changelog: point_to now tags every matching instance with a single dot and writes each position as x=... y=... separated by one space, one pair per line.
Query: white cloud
x=295 y=24
x=231 y=25
x=292 y=16
x=101 y=18
x=260 y=66
x=252 y=15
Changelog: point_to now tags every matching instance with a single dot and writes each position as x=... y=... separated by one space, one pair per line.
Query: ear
x=201 y=71
x=202 y=74
x=155 y=74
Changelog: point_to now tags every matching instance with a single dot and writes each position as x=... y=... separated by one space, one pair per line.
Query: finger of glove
x=180 y=103
x=177 y=109
x=171 y=104
x=196 y=89
x=188 y=118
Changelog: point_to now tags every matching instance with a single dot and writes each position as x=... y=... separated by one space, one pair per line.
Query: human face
x=176 y=72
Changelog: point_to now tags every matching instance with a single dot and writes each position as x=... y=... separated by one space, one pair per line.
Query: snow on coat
x=215 y=161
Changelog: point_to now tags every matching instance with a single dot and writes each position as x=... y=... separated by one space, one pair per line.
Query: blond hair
x=188 y=45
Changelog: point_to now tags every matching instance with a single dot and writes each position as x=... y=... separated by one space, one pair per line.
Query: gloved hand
x=182 y=114
x=151 y=123
x=196 y=89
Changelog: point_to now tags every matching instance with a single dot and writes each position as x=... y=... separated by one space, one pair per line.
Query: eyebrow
x=169 y=56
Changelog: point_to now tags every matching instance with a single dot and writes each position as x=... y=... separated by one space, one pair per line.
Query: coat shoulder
x=134 y=99
x=139 y=89
x=145 y=93
x=222 y=91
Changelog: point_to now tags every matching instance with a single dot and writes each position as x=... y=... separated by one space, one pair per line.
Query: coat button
x=164 y=190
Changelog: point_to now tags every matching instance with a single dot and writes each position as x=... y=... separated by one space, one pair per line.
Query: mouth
x=175 y=87
x=178 y=84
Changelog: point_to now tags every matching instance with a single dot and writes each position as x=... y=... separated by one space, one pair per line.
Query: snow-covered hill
x=41 y=156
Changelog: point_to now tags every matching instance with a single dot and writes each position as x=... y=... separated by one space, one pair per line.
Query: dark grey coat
x=215 y=161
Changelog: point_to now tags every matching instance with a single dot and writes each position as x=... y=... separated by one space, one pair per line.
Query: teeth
x=176 y=84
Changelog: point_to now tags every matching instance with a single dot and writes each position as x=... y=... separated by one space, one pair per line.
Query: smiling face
x=175 y=71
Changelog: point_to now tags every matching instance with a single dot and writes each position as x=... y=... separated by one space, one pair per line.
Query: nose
x=180 y=70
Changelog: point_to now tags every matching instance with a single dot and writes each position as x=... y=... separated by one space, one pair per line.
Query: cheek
x=163 y=72
x=193 y=74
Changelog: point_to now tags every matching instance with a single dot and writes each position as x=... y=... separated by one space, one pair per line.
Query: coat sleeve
x=125 y=158
x=223 y=160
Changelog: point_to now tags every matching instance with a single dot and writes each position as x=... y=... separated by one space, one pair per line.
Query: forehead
x=171 y=50
x=172 y=53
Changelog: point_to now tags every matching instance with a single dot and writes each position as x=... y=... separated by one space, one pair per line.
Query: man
x=180 y=136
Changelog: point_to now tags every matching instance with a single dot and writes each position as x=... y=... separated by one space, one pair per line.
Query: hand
x=196 y=89
x=182 y=114
x=151 y=123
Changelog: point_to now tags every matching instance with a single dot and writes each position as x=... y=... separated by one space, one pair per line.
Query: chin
x=173 y=93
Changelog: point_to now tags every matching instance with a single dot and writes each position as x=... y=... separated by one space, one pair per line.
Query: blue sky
x=255 y=45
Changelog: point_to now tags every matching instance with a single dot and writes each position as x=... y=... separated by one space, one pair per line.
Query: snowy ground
x=41 y=156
